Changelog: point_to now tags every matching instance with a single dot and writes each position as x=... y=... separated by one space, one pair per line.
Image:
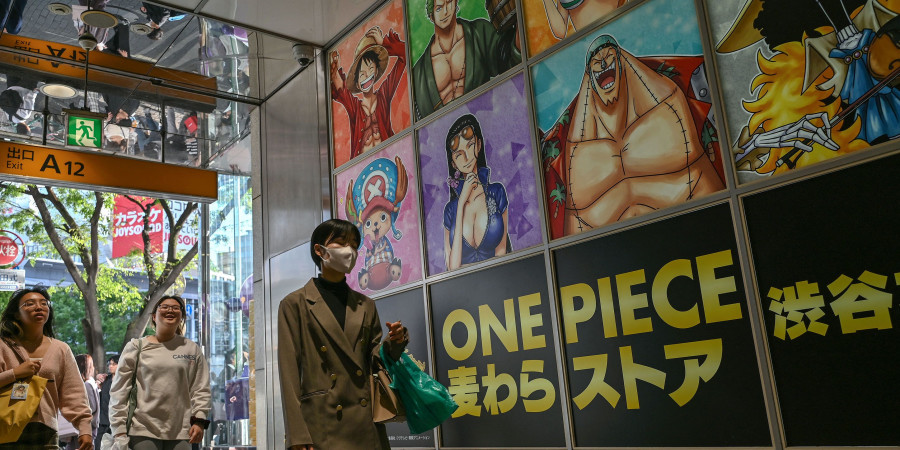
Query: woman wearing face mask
x=327 y=337
x=172 y=376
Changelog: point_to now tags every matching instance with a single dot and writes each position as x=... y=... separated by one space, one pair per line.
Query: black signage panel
x=493 y=337
x=827 y=260
x=409 y=308
x=659 y=347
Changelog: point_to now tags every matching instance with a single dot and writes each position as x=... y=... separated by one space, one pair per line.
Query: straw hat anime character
x=369 y=107
x=373 y=204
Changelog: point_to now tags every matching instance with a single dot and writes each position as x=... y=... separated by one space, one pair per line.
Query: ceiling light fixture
x=58 y=90
x=141 y=28
x=99 y=19
x=60 y=9
x=88 y=42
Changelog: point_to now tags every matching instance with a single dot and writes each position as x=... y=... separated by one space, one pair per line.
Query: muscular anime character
x=368 y=108
x=462 y=55
x=628 y=144
x=580 y=12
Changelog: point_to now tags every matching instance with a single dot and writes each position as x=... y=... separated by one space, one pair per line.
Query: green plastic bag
x=427 y=402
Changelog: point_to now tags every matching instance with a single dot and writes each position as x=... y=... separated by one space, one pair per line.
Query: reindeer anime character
x=373 y=203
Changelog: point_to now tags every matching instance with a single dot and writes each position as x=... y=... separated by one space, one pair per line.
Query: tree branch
x=95 y=238
x=72 y=228
x=47 y=221
x=176 y=226
x=145 y=236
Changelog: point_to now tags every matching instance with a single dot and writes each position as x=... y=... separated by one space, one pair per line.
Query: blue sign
x=189 y=309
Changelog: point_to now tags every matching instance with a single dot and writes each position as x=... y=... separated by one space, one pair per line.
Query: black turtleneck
x=335 y=295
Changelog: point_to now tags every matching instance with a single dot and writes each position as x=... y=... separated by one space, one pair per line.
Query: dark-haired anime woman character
x=476 y=217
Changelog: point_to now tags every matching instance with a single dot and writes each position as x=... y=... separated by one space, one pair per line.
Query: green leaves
x=558 y=195
x=550 y=149
x=668 y=71
x=708 y=135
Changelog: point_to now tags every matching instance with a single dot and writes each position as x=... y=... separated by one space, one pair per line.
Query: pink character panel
x=379 y=194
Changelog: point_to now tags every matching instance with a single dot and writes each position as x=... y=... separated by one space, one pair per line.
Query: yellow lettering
x=673 y=317
x=607 y=308
x=489 y=322
x=463 y=317
x=530 y=321
x=711 y=287
x=630 y=302
x=571 y=316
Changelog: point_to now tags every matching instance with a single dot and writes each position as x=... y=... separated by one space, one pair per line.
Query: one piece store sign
x=829 y=298
x=128 y=226
x=658 y=337
x=494 y=352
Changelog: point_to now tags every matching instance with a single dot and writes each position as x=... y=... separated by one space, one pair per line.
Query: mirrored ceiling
x=314 y=21
x=172 y=46
x=140 y=119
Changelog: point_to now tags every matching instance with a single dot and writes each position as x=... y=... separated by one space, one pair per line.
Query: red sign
x=9 y=250
x=128 y=226
x=12 y=249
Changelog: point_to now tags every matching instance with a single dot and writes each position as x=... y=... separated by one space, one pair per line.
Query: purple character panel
x=479 y=194
x=379 y=196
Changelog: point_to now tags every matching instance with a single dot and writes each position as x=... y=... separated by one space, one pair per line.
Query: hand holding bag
x=386 y=405
x=427 y=402
x=15 y=414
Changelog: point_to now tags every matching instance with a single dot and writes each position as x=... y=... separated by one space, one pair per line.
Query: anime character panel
x=625 y=120
x=379 y=194
x=458 y=45
x=806 y=80
x=480 y=198
x=369 y=87
x=550 y=21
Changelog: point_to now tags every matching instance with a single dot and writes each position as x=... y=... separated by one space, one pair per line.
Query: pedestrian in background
x=103 y=428
x=86 y=369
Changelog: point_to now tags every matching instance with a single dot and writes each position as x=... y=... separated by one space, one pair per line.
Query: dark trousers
x=36 y=436
x=101 y=430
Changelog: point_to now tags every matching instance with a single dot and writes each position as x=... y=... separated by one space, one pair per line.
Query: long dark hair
x=466 y=120
x=11 y=324
x=180 y=329
x=81 y=360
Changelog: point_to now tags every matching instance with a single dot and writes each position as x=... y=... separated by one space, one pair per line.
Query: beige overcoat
x=325 y=371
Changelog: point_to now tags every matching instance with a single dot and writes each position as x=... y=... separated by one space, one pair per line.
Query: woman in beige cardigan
x=27 y=348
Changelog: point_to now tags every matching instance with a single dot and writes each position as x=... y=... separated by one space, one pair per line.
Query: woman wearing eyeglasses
x=172 y=378
x=27 y=348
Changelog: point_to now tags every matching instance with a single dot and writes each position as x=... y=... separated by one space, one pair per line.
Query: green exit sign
x=85 y=129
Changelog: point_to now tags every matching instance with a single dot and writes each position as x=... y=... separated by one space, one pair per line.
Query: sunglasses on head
x=467 y=133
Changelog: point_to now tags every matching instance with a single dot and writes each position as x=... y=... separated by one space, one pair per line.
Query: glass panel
x=230 y=292
x=226 y=53
x=36 y=22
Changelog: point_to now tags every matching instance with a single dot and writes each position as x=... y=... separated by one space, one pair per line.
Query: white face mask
x=341 y=259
